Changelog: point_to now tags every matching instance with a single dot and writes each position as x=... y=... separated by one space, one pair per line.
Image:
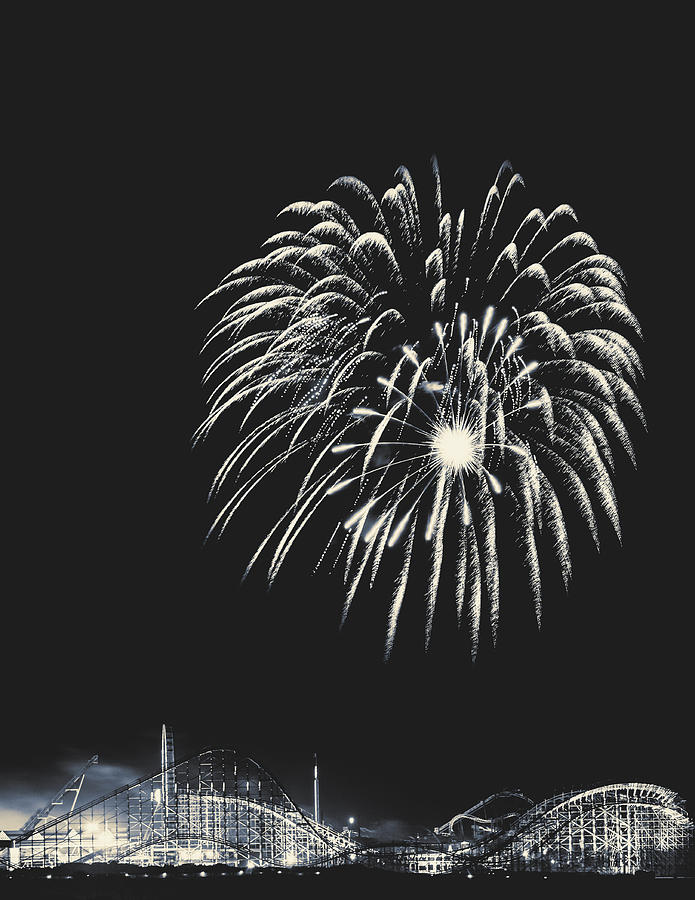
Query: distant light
x=470 y=875
x=290 y=859
x=250 y=864
x=164 y=874
x=351 y=820
x=353 y=857
x=203 y=874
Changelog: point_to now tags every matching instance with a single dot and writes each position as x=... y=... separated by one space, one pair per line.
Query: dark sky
x=155 y=178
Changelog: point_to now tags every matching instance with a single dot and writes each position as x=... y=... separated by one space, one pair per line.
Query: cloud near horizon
x=22 y=794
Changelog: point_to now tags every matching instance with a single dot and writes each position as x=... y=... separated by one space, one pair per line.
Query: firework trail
x=445 y=385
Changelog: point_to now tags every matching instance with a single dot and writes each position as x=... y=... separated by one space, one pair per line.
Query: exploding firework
x=443 y=386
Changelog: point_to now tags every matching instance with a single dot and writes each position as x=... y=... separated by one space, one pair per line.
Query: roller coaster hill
x=218 y=808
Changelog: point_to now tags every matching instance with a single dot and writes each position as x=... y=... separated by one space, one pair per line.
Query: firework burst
x=443 y=385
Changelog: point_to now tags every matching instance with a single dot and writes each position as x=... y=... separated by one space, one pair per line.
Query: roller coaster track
x=222 y=807
x=218 y=807
x=469 y=815
x=547 y=824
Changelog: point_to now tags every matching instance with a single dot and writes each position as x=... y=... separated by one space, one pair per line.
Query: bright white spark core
x=385 y=365
x=455 y=448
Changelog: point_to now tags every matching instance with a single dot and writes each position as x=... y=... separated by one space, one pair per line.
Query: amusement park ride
x=220 y=808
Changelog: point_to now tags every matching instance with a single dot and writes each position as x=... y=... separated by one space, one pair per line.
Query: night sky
x=156 y=181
